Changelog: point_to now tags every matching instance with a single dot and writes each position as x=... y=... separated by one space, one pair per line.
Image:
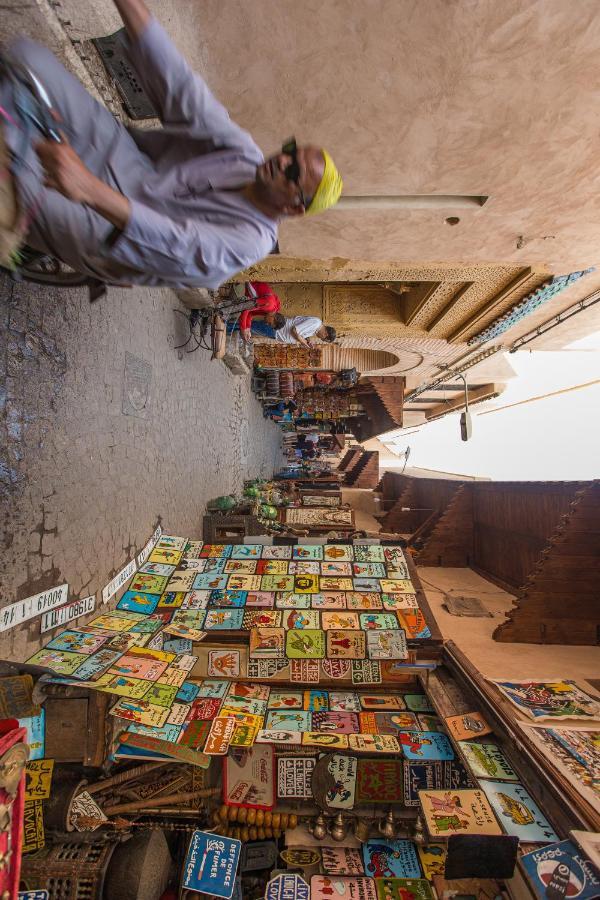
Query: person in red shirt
x=266 y=304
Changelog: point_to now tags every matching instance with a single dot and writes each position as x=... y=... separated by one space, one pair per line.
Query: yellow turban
x=329 y=189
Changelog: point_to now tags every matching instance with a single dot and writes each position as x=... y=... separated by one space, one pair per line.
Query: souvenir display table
x=288 y=711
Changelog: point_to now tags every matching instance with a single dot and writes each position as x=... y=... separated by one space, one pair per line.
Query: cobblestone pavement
x=88 y=465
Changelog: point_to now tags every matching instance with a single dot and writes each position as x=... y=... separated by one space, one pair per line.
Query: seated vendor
x=266 y=302
x=300 y=328
x=291 y=331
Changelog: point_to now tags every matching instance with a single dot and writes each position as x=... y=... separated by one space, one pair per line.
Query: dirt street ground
x=105 y=430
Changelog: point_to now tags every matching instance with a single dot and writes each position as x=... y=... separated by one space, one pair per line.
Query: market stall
x=282 y=714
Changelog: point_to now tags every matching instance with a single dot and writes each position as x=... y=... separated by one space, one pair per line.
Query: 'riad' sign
x=31 y=607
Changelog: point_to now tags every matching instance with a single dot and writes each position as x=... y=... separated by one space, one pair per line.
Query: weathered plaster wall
x=413 y=96
x=421 y=96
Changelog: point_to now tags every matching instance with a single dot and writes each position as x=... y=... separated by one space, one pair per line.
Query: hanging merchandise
x=273 y=384
x=286 y=384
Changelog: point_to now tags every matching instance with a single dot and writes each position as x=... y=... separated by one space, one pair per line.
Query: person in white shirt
x=300 y=328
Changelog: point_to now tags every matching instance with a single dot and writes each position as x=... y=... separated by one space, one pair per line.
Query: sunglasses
x=292 y=172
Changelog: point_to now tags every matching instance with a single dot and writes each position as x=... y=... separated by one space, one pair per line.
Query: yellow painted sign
x=38 y=779
x=33 y=826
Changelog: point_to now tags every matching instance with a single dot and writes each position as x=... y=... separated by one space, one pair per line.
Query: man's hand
x=66 y=174
x=297 y=337
x=246 y=335
x=64 y=170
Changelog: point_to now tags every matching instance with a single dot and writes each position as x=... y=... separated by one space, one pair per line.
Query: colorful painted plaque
x=342 y=887
x=458 y=812
x=467 y=725
x=307 y=551
x=288 y=720
x=338 y=552
x=388 y=644
x=223 y=619
x=518 y=813
x=294 y=775
x=285 y=700
x=249 y=777
x=136 y=601
x=293 y=601
x=363 y=601
x=391 y=859
x=328 y=600
x=366 y=671
x=187 y=623
x=550 y=699
x=148 y=584
x=379 y=781
x=223 y=663
x=301 y=619
x=309 y=644
x=373 y=621
x=487 y=761
x=562 y=870
x=267 y=643
x=342 y=861
x=433 y=859
x=403 y=889
x=345 y=644
x=425 y=745
x=413 y=622
x=339 y=620
x=374 y=743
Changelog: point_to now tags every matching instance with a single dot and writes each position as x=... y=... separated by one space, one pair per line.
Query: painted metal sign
x=287 y=887
x=211 y=864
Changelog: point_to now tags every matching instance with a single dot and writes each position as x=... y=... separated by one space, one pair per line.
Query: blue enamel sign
x=211 y=864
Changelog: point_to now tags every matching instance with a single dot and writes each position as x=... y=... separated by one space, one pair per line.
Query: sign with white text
x=145 y=553
x=118 y=581
x=211 y=864
x=23 y=610
x=64 y=614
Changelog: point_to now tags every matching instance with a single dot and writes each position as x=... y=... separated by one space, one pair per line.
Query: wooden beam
x=476 y=318
x=476 y=395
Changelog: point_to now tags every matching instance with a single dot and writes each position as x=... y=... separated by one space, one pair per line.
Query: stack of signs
x=350 y=608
